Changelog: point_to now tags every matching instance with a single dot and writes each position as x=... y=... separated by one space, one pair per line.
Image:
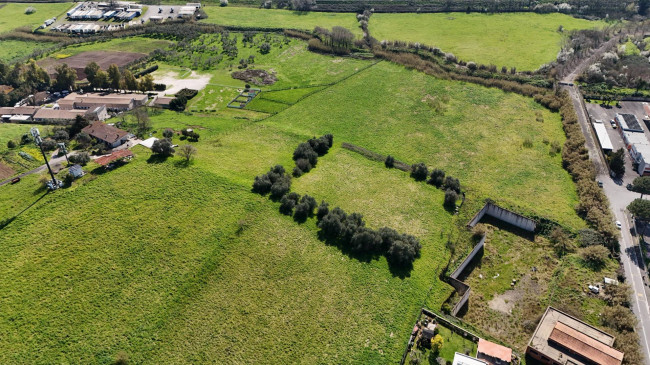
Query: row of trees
x=350 y=232
x=307 y=153
x=116 y=79
x=437 y=178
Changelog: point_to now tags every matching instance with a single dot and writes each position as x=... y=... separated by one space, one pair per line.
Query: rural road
x=619 y=198
x=55 y=163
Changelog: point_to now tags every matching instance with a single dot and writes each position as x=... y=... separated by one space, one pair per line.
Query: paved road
x=55 y=163
x=619 y=198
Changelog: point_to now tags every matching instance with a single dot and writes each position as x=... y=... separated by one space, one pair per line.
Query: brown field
x=79 y=61
x=5 y=171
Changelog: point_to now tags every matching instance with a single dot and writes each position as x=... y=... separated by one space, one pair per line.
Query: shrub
x=48 y=144
x=81 y=158
x=617 y=295
x=589 y=237
x=437 y=178
x=618 y=318
x=26 y=139
x=366 y=240
x=390 y=161
x=11 y=144
x=223 y=2
x=332 y=223
x=351 y=225
x=168 y=133
x=61 y=135
x=436 y=343
x=310 y=202
x=288 y=202
x=302 y=212
x=178 y=104
x=83 y=139
x=265 y=48
x=320 y=145
x=451 y=183
x=322 y=211
x=402 y=253
x=450 y=199
x=596 y=256
x=303 y=164
x=305 y=151
x=297 y=172
x=163 y=147
x=419 y=171
x=30 y=10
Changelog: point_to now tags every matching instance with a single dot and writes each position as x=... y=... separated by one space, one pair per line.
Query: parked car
x=628 y=187
x=600 y=184
x=618 y=225
x=613 y=123
x=159 y=10
x=15 y=180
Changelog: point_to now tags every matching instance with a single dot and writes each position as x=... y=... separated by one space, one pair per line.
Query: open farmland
x=12 y=50
x=522 y=40
x=129 y=44
x=12 y=15
x=273 y=18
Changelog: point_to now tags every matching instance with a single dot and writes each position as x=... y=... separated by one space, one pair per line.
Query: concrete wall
x=504 y=215
x=469 y=258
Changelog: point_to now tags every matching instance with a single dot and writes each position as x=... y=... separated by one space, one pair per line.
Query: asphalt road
x=619 y=198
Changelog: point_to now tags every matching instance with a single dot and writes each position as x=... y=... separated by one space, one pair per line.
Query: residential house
x=108 y=134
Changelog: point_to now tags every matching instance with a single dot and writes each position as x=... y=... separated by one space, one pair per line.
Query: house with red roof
x=492 y=353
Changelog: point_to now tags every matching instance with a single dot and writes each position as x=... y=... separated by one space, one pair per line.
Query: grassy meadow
x=12 y=50
x=500 y=39
x=130 y=44
x=12 y=15
x=274 y=18
x=171 y=263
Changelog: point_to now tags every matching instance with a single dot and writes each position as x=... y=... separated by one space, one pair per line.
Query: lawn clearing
x=142 y=45
x=12 y=15
x=286 y=19
x=522 y=40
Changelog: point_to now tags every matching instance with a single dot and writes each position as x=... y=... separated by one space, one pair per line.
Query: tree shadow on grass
x=4 y=223
x=183 y=163
x=157 y=158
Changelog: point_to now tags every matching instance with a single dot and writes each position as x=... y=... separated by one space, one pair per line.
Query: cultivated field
x=170 y=263
x=522 y=40
x=12 y=15
x=273 y=18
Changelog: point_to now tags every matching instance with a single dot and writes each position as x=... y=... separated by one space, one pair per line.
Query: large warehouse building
x=564 y=340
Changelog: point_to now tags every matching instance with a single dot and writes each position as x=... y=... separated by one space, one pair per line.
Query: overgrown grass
x=12 y=50
x=129 y=44
x=12 y=15
x=273 y=18
x=522 y=40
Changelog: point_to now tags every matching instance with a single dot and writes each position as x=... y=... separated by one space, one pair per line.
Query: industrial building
x=628 y=122
x=113 y=102
x=603 y=137
x=561 y=339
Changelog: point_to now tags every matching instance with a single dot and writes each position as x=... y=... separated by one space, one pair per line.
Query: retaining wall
x=505 y=215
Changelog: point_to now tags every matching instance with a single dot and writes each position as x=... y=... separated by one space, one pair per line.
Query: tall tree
x=641 y=185
x=640 y=208
x=617 y=162
x=146 y=83
x=65 y=77
x=91 y=71
x=114 y=77
x=100 y=80
x=130 y=83
x=35 y=77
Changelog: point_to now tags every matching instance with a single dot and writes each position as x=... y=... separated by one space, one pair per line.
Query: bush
x=618 y=318
x=48 y=144
x=450 y=199
x=186 y=93
x=303 y=164
x=437 y=178
x=61 y=135
x=419 y=171
x=281 y=187
x=297 y=172
x=402 y=253
x=288 y=202
x=262 y=184
x=390 y=161
x=596 y=256
x=30 y=10
x=322 y=211
x=265 y=48
x=223 y=2
x=81 y=158
x=366 y=240
x=26 y=139
x=332 y=223
x=83 y=139
x=589 y=237
x=451 y=183
x=320 y=145
x=436 y=343
x=163 y=147
x=275 y=182
x=351 y=225
x=168 y=133
x=310 y=202
x=11 y=144
x=305 y=151
x=178 y=104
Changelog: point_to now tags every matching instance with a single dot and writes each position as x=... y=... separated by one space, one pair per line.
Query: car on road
x=600 y=184
x=629 y=187
x=613 y=123
x=15 y=180
x=618 y=225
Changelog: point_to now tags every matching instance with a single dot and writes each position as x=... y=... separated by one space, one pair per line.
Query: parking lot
x=606 y=114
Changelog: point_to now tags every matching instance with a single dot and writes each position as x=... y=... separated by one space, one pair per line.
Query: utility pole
x=38 y=140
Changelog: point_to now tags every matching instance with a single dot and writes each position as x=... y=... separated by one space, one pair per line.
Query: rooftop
x=494 y=350
x=58 y=114
x=629 y=122
x=603 y=137
x=105 y=132
x=567 y=340
x=461 y=359
x=105 y=160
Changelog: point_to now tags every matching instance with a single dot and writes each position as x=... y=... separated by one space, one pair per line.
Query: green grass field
x=12 y=15
x=12 y=50
x=130 y=44
x=524 y=40
x=184 y=264
x=273 y=18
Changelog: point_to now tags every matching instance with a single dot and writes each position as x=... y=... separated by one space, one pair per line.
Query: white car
x=618 y=225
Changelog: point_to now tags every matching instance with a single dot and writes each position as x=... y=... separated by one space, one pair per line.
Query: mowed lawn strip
x=524 y=40
x=12 y=15
x=274 y=18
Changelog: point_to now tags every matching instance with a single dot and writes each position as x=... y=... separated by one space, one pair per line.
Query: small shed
x=76 y=171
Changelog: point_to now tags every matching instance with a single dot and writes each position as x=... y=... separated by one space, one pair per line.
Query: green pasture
x=129 y=44
x=12 y=50
x=274 y=18
x=173 y=263
x=12 y=15
x=522 y=40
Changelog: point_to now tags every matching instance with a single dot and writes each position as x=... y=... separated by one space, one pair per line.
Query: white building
x=603 y=137
x=639 y=147
x=461 y=359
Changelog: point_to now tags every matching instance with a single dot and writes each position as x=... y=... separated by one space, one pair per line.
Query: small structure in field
x=149 y=142
x=462 y=359
x=492 y=353
x=108 y=160
x=76 y=171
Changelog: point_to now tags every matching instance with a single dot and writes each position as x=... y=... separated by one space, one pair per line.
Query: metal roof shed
x=603 y=137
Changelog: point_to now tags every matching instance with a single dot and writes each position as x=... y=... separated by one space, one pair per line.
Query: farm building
x=628 y=122
x=18 y=114
x=108 y=134
x=47 y=115
x=115 y=156
x=162 y=102
x=492 y=353
x=561 y=339
x=639 y=147
x=603 y=137
x=462 y=359
x=113 y=102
